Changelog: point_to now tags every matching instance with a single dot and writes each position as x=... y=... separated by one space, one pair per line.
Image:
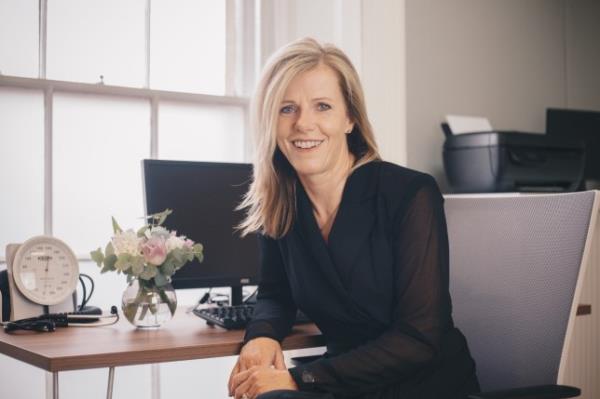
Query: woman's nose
x=305 y=122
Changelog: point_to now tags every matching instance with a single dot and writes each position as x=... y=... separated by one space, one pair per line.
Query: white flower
x=157 y=231
x=126 y=242
x=174 y=242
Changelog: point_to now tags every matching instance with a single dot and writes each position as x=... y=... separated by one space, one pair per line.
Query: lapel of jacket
x=307 y=229
x=351 y=228
x=354 y=221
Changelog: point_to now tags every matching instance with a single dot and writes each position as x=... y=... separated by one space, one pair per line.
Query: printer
x=510 y=161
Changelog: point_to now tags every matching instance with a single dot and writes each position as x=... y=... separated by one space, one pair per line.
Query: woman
x=358 y=244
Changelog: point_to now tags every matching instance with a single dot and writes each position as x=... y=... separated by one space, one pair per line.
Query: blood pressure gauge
x=45 y=270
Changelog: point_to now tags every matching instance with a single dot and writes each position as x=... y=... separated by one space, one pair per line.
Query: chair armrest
x=533 y=392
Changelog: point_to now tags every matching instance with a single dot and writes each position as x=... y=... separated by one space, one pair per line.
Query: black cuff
x=261 y=328
x=307 y=376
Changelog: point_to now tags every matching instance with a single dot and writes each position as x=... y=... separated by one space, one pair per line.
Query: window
x=19 y=37
x=187 y=44
x=201 y=133
x=102 y=178
x=22 y=164
x=89 y=89
x=90 y=39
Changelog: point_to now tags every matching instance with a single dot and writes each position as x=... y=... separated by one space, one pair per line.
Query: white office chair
x=515 y=262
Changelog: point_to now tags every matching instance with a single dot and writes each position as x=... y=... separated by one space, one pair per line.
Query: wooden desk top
x=185 y=337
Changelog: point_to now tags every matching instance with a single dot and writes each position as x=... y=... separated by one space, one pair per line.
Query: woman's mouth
x=306 y=144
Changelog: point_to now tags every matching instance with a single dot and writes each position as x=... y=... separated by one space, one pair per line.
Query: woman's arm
x=421 y=311
x=275 y=310
x=273 y=317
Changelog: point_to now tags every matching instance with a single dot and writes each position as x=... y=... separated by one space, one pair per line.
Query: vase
x=146 y=305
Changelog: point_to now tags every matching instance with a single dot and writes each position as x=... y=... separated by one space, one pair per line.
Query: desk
x=186 y=337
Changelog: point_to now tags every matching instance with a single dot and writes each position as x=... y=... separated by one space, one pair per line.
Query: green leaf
x=156 y=219
x=199 y=252
x=177 y=255
x=149 y=272
x=168 y=267
x=137 y=265
x=141 y=232
x=123 y=262
x=116 y=228
x=97 y=256
x=160 y=279
x=109 y=250
x=109 y=263
x=163 y=216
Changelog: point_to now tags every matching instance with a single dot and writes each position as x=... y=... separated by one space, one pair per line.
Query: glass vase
x=145 y=305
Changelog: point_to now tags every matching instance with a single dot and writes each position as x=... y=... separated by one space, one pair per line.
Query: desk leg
x=55 y=385
x=111 y=380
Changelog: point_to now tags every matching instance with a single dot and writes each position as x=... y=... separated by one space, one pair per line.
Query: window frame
x=242 y=55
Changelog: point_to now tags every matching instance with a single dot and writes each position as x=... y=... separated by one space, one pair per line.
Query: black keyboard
x=229 y=317
x=234 y=317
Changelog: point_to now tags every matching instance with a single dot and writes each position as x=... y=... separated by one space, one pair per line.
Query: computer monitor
x=203 y=197
x=583 y=125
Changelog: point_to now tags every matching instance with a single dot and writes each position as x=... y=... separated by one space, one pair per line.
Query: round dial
x=45 y=270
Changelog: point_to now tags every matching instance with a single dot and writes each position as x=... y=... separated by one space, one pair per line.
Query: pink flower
x=188 y=243
x=155 y=250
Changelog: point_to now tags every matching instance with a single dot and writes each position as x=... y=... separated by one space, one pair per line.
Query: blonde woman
x=358 y=244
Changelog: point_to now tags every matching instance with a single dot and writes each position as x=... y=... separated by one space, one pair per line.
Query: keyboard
x=235 y=317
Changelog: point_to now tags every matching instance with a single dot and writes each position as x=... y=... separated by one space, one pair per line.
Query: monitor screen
x=203 y=197
x=582 y=125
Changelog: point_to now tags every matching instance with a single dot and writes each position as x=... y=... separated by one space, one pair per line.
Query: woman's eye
x=288 y=109
x=324 y=107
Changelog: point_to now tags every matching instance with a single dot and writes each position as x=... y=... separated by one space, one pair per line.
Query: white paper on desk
x=468 y=124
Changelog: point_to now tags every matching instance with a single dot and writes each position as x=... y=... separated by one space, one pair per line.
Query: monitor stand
x=236 y=295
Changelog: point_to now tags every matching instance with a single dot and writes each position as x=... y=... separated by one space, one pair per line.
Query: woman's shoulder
x=396 y=178
x=399 y=185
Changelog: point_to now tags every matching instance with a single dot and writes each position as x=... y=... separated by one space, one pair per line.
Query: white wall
x=583 y=54
x=372 y=33
x=384 y=74
x=508 y=60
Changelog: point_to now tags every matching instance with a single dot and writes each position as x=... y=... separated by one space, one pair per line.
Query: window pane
x=187 y=45
x=87 y=39
x=19 y=37
x=21 y=165
x=201 y=133
x=98 y=147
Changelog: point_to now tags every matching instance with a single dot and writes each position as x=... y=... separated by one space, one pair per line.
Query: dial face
x=45 y=270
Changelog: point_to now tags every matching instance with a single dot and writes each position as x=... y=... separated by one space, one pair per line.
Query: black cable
x=83 y=295
x=86 y=298
x=49 y=322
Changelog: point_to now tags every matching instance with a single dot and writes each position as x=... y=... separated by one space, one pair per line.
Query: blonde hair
x=271 y=198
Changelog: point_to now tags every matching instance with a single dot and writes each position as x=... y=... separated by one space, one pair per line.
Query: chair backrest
x=514 y=266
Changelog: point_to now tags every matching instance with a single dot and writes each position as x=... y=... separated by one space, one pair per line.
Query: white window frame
x=242 y=55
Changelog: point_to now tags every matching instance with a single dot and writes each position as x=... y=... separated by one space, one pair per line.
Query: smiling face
x=313 y=123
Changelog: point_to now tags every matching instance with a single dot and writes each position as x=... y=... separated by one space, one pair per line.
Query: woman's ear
x=350 y=128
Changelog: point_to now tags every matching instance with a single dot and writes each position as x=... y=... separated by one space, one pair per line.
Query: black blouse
x=378 y=290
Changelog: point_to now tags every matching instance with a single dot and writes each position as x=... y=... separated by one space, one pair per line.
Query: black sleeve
x=421 y=311
x=275 y=310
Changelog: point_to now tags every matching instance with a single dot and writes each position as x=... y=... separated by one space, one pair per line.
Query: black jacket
x=378 y=290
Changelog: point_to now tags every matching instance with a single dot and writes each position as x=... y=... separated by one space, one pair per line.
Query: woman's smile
x=307 y=145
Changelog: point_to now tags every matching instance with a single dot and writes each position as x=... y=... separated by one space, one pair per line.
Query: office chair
x=515 y=262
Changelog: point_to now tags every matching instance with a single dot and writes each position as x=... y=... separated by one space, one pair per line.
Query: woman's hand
x=261 y=379
x=265 y=352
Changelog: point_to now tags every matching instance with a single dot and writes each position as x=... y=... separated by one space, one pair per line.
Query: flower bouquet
x=148 y=257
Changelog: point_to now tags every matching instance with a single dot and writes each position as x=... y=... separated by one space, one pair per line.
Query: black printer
x=509 y=161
